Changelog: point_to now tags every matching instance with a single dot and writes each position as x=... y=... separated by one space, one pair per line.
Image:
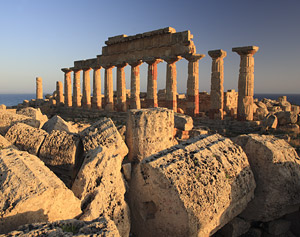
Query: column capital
x=172 y=59
x=218 y=53
x=246 y=50
x=66 y=70
x=74 y=69
x=194 y=57
x=152 y=60
x=96 y=67
x=135 y=63
x=121 y=64
x=86 y=68
x=107 y=66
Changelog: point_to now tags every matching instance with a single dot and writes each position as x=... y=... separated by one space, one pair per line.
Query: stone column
x=97 y=97
x=151 y=99
x=121 y=88
x=135 y=102
x=76 y=88
x=171 y=83
x=108 y=89
x=39 y=88
x=217 y=81
x=60 y=93
x=246 y=82
x=192 y=89
x=86 y=88
x=68 y=87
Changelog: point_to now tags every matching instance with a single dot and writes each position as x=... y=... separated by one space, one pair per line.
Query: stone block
x=4 y=143
x=26 y=138
x=100 y=186
x=276 y=167
x=183 y=122
x=3 y=107
x=270 y=121
x=57 y=123
x=277 y=227
x=34 y=113
x=30 y=192
x=191 y=189
x=148 y=131
x=235 y=228
x=286 y=117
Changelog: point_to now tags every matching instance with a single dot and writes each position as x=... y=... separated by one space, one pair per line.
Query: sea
x=15 y=99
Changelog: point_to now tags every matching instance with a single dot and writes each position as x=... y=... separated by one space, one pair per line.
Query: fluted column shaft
x=68 y=87
x=135 y=102
x=39 y=88
x=217 y=84
x=86 y=90
x=121 y=88
x=76 y=88
x=246 y=82
x=171 y=83
x=60 y=93
x=108 y=89
x=97 y=98
x=152 y=83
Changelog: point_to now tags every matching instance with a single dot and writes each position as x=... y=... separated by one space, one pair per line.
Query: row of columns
x=135 y=103
x=245 y=82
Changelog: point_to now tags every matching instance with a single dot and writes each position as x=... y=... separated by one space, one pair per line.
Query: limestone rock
x=8 y=118
x=183 y=122
x=30 y=192
x=149 y=131
x=296 y=109
x=26 y=138
x=62 y=152
x=235 y=228
x=286 y=117
x=261 y=113
x=270 y=121
x=35 y=114
x=57 y=123
x=278 y=227
x=102 y=227
x=276 y=167
x=100 y=186
x=2 y=107
x=286 y=106
x=103 y=133
x=290 y=128
x=191 y=189
x=4 y=143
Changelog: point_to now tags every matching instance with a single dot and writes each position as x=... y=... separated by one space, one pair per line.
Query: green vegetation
x=69 y=228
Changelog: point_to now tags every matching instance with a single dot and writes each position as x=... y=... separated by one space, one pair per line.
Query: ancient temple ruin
x=152 y=48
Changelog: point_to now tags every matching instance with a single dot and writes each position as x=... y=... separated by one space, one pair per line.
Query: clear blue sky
x=38 y=38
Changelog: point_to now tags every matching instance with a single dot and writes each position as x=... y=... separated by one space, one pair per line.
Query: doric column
x=216 y=86
x=97 y=97
x=246 y=82
x=171 y=83
x=39 y=88
x=121 y=87
x=86 y=88
x=76 y=88
x=152 y=83
x=192 y=89
x=60 y=93
x=108 y=89
x=68 y=87
x=135 y=102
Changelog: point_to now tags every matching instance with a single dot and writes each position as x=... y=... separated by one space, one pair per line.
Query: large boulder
x=4 y=143
x=286 y=117
x=8 y=118
x=270 y=121
x=26 y=138
x=183 y=122
x=100 y=227
x=149 y=131
x=191 y=189
x=62 y=152
x=57 y=123
x=105 y=134
x=30 y=192
x=276 y=167
x=34 y=113
x=100 y=186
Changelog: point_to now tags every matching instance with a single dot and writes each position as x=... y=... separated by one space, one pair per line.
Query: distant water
x=15 y=99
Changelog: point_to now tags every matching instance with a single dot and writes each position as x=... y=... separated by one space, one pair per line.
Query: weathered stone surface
x=3 y=107
x=235 y=228
x=103 y=133
x=102 y=227
x=8 y=118
x=261 y=113
x=270 y=121
x=183 y=122
x=30 y=192
x=296 y=109
x=100 y=186
x=191 y=189
x=57 y=123
x=286 y=117
x=286 y=106
x=62 y=152
x=277 y=227
x=290 y=128
x=26 y=138
x=276 y=167
x=4 y=143
x=149 y=131
x=34 y=113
